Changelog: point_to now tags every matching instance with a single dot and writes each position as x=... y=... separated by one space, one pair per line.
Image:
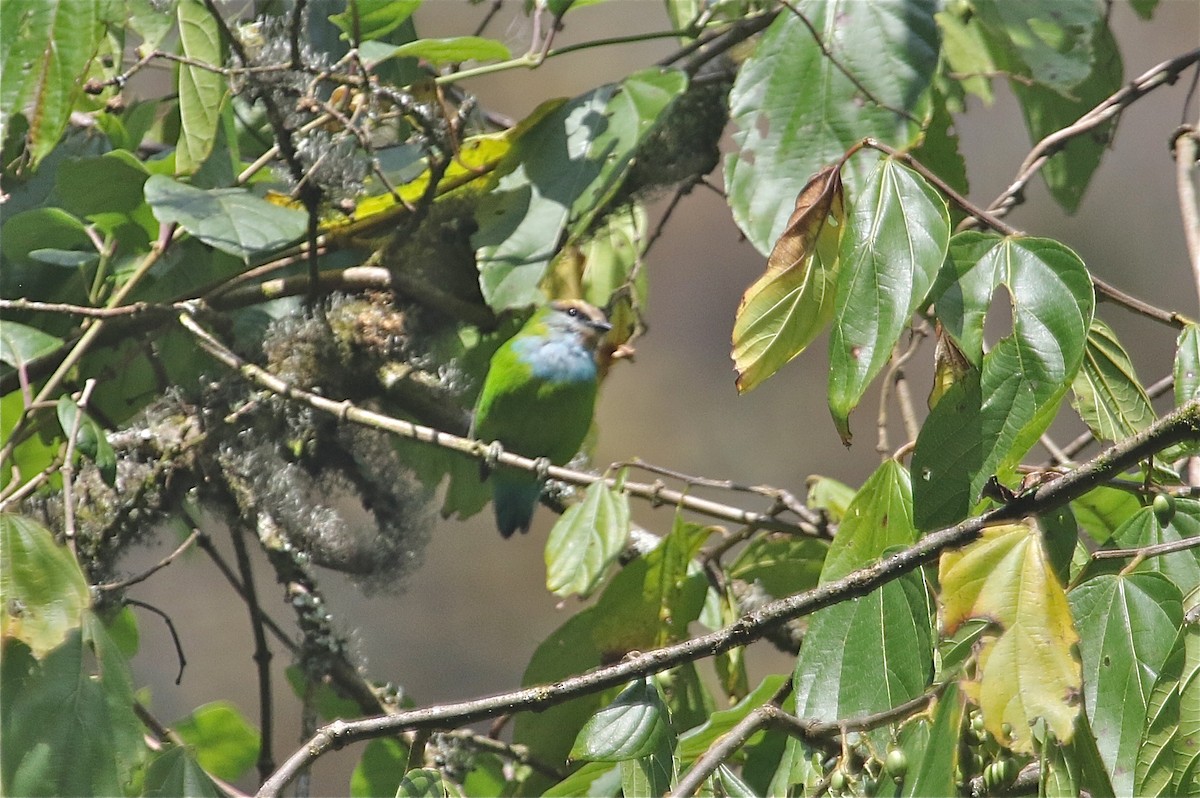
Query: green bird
x=537 y=400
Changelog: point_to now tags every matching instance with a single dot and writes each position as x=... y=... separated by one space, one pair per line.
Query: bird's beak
x=600 y=325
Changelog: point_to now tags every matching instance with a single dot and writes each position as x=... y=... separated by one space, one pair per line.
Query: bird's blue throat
x=556 y=359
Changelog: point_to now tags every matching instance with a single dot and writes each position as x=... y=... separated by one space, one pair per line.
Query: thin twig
x=347 y=410
x=1186 y=148
x=720 y=751
x=1146 y=552
x=1165 y=73
x=68 y=465
x=84 y=342
x=262 y=652
x=149 y=572
x=783 y=498
x=171 y=628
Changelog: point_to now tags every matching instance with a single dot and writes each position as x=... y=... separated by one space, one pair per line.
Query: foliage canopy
x=275 y=284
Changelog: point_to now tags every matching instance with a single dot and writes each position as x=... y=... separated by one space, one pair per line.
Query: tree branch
x=348 y=411
x=1165 y=73
x=1183 y=423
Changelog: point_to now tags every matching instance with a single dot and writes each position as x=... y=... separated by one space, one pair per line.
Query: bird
x=537 y=400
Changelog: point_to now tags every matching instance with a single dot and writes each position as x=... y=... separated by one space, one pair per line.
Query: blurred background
x=466 y=623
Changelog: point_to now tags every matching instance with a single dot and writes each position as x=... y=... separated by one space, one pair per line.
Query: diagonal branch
x=1182 y=424
x=1165 y=73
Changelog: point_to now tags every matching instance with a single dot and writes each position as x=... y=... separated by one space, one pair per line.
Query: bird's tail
x=514 y=495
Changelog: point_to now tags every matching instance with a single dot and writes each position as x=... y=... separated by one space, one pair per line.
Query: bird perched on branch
x=538 y=398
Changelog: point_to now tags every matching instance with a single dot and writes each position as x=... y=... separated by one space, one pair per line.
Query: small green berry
x=1164 y=508
x=896 y=764
x=837 y=780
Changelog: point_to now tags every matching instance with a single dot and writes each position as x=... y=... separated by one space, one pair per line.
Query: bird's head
x=578 y=318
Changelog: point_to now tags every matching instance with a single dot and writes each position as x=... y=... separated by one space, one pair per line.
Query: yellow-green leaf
x=786 y=308
x=42 y=590
x=1027 y=671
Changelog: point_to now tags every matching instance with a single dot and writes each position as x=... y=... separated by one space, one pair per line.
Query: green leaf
x=48 y=46
x=70 y=728
x=380 y=769
x=628 y=616
x=794 y=112
x=438 y=52
x=879 y=518
x=1187 y=743
x=90 y=439
x=1070 y=169
x=893 y=247
x=229 y=219
x=673 y=582
x=43 y=228
x=1076 y=766
x=1187 y=364
x=1053 y=50
x=1127 y=625
x=223 y=742
x=867 y=655
x=965 y=50
x=782 y=565
x=147 y=20
x=731 y=785
x=829 y=495
x=558 y=175
x=19 y=344
x=373 y=19
x=696 y=741
x=1156 y=767
x=586 y=540
x=632 y=726
x=1108 y=395
x=1101 y=511
x=975 y=432
x=43 y=590
x=172 y=772
x=652 y=774
x=201 y=91
x=66 y=258
x=786 y=308
x=110 y=183
x=934 y=766
x=1028 y=670
x=598 y=779
x=1144 y=529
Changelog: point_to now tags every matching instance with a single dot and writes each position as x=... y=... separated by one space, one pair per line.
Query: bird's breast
x=556 y=360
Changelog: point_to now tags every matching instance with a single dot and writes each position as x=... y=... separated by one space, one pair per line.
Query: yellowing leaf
x=1028 y=671
x=42 y=590
x=786 y=308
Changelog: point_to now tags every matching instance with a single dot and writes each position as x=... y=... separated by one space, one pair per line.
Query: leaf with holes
x=999 y=411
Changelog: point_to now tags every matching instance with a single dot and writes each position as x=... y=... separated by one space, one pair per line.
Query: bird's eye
x=573 y=312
